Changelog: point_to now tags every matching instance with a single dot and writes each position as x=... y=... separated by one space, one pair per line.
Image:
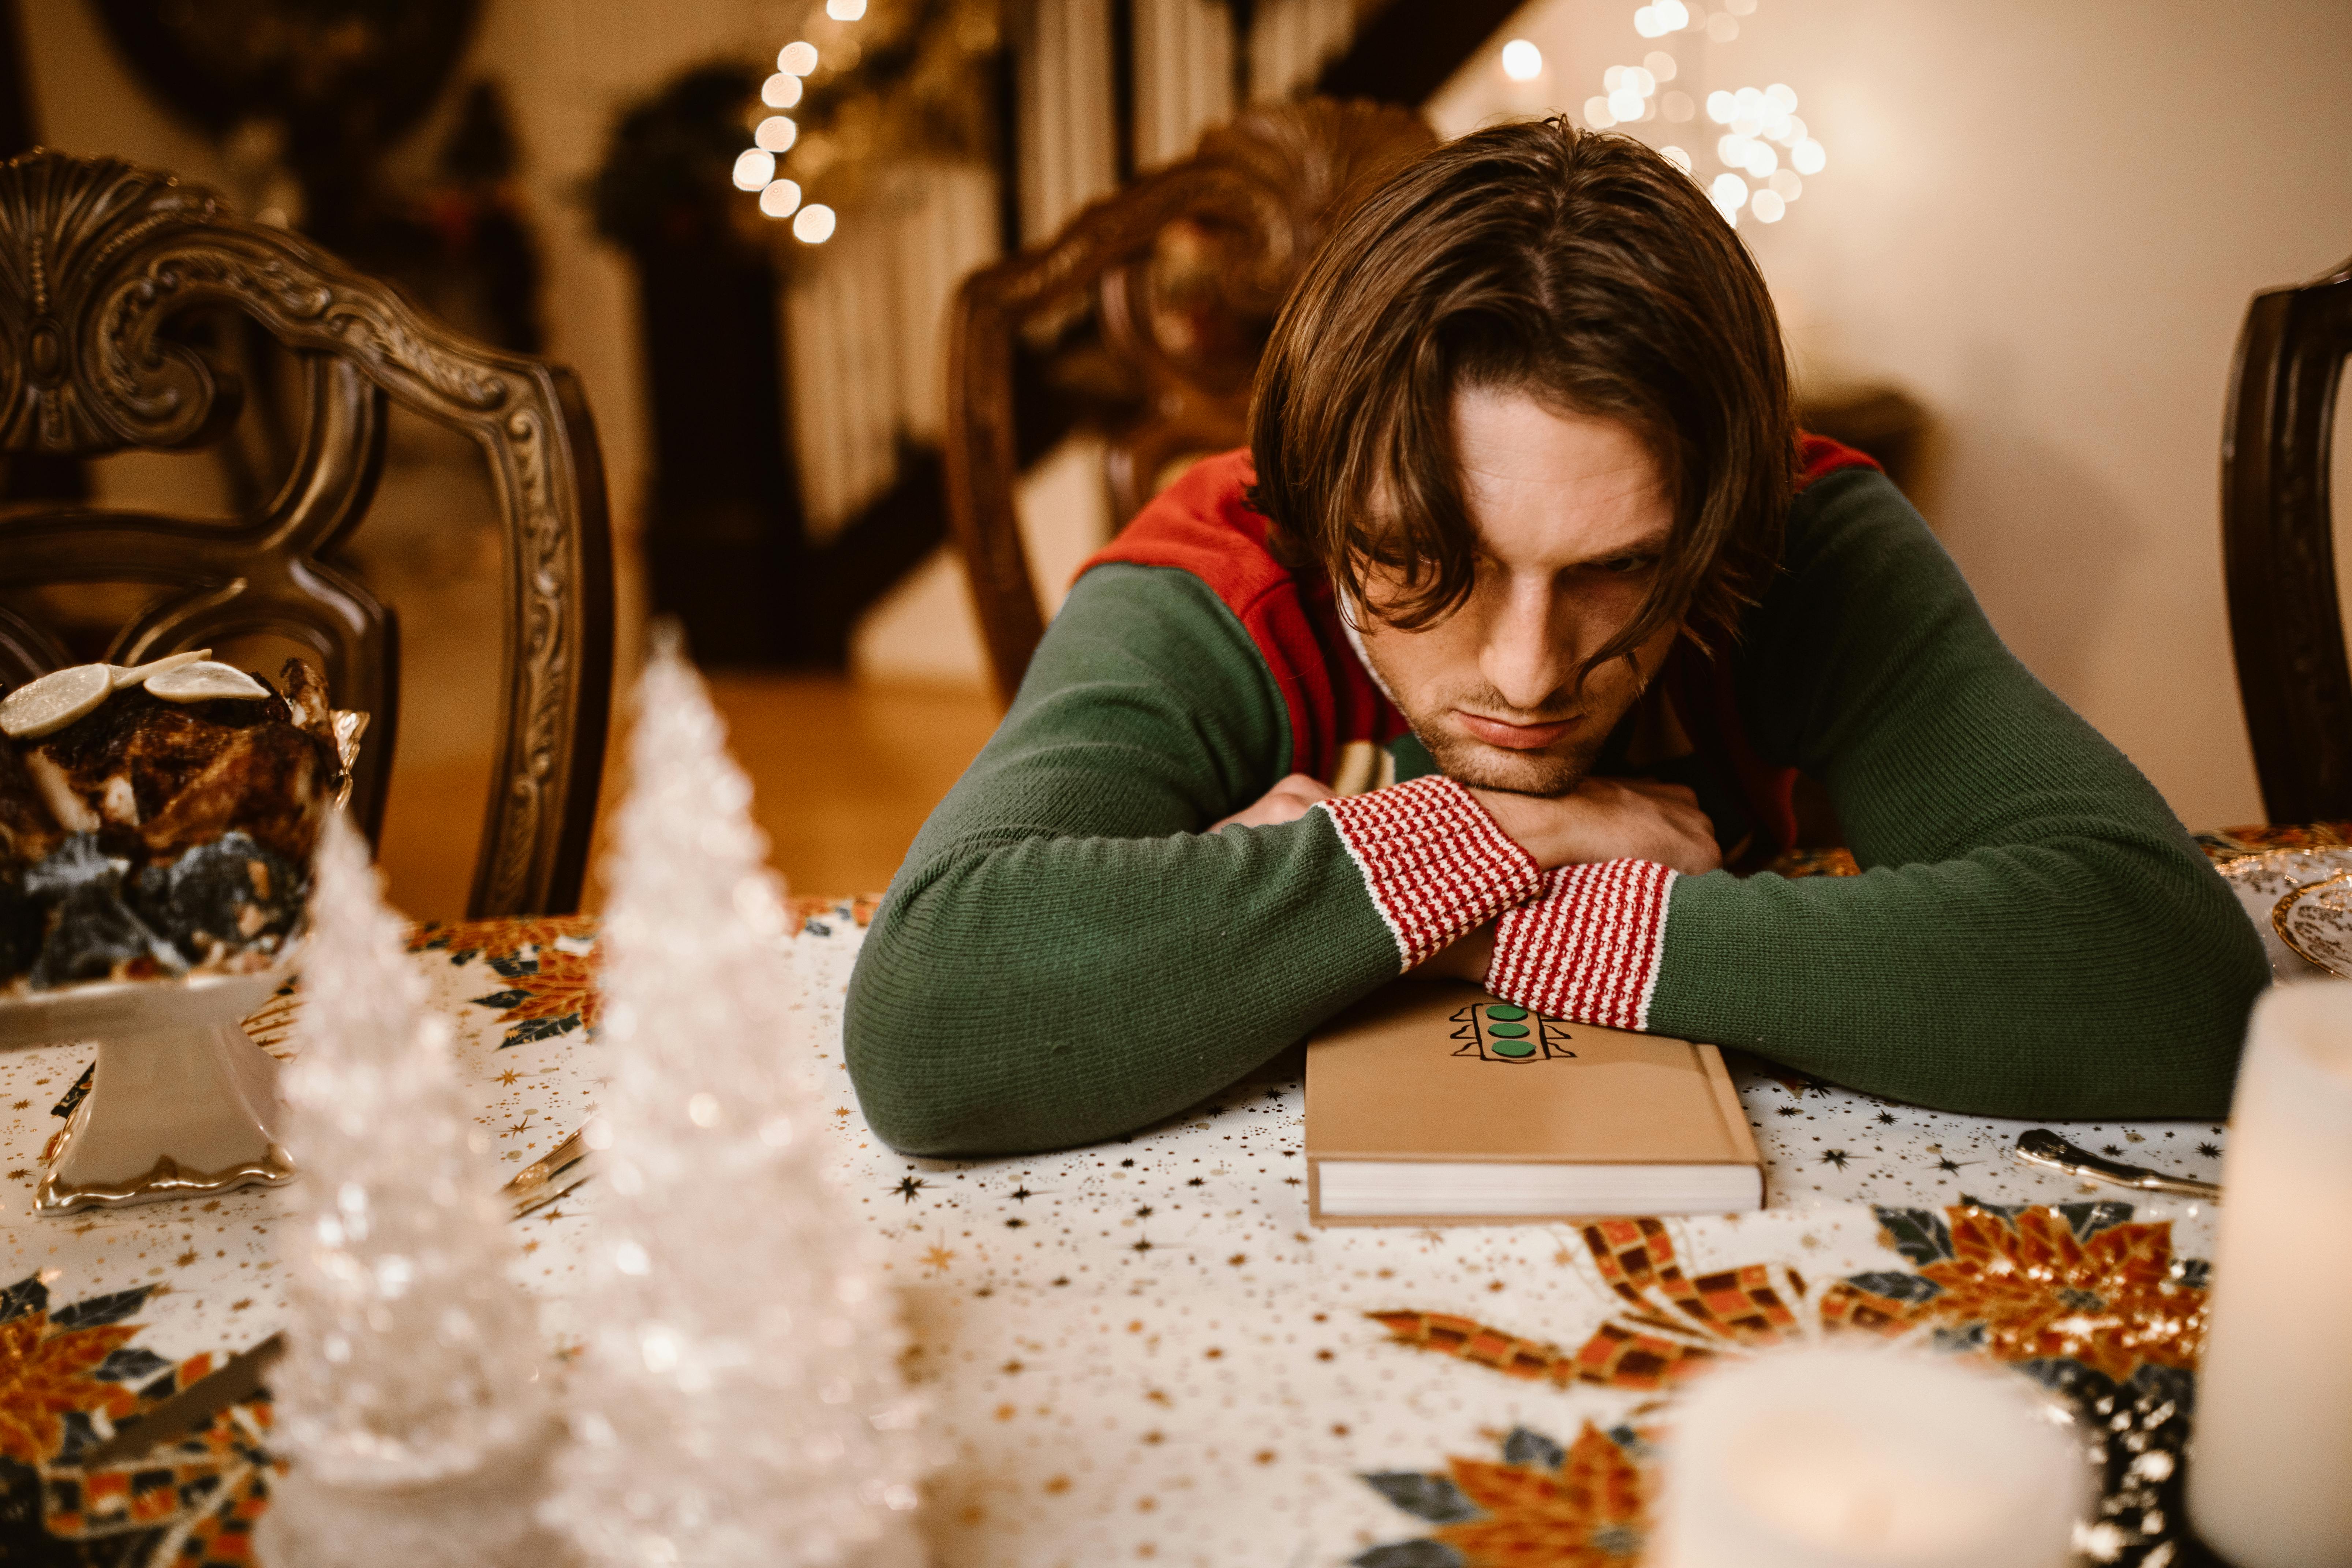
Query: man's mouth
x=1512 y=737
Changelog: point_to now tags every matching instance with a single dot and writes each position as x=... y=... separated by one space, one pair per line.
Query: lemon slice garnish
x=138 y=674
x=203 y=680
x=43 y=707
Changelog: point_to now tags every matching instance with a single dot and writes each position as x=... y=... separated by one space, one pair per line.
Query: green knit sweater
x=1067 y=955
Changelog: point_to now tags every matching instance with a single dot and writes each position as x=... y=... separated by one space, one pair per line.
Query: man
x=1526 y=538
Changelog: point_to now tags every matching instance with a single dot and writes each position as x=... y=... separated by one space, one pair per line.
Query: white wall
x=2044 y=221
x=923 y=632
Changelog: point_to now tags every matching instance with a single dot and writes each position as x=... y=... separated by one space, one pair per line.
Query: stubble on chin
x=1481 y=766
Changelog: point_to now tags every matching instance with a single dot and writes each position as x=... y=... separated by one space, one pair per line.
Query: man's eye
x=1626 y=565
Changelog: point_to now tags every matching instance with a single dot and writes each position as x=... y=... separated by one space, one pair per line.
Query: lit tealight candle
x=1868 y=1458
x=2270 y=1465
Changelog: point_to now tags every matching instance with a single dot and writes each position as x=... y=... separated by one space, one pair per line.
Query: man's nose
x=1526 y=656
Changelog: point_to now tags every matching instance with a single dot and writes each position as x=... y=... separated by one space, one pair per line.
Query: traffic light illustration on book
x=1499 y=1032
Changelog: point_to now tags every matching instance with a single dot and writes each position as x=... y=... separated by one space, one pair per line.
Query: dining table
x=1143 y=1351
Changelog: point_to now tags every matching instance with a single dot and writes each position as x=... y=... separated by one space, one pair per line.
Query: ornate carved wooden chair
x=96 y=257
x=2278 y=548
x=1154 y=303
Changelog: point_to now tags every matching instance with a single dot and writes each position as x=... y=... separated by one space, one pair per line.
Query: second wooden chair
x=1172 y=284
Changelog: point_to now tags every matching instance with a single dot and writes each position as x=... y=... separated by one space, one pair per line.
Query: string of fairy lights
x=759 y=167
x=1766 y=151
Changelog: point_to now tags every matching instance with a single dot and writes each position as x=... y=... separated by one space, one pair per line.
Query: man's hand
x=1285 y=802
x=1608 y=819
x=1467 y=957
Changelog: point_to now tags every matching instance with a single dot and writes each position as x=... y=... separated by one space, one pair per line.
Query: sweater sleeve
x=1067 y=955
x=2033 y=933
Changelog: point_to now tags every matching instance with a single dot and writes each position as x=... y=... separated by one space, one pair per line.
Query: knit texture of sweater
x=1067 y=955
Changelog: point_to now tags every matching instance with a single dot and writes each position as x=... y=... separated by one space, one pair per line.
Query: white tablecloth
x=1141 y=1352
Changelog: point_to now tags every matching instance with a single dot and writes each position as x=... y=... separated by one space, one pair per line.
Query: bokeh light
x=1765 y=149
x=780 y=199
x=775 y=134
x=815 y=225
x=1597 y=113
x=845 y=10
x=1522 y=61
x=753 y=169
x=781 y=91
x=797 y=58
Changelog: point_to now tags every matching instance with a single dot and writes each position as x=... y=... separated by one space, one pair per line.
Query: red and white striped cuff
x=1434 y=861
x=1588 y=951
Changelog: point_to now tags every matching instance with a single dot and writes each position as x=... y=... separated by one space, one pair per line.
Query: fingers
x=1695 y=855
x=1655 y=789
x=1287 y=801
x=1638 y=819
x=1467 y=957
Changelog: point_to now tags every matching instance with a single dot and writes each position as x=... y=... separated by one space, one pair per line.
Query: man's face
x=1572 y=514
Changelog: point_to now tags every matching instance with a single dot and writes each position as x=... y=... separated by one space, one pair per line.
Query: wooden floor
x=842 y=777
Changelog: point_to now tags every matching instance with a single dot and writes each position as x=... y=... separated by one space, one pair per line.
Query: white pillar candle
x=2270 y=1465
x=1869 y=1458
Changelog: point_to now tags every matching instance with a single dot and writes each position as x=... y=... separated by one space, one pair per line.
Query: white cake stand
x=181 y=1103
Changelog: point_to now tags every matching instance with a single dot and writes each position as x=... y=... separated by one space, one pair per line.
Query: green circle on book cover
x=1503 y=1012
x=1507 y=1031
x=1513 y=1048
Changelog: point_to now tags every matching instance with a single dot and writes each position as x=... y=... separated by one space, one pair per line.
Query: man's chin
x=1481 y=766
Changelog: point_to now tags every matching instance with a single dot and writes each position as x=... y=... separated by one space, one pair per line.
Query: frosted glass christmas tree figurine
x=413 y=1398
x=738 y=1402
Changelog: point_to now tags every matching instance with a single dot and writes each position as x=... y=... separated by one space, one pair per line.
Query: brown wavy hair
x=1583 y=270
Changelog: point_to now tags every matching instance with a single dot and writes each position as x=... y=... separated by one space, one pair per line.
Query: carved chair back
x=1168 y=289
x=96 y=257
x=2278 y=548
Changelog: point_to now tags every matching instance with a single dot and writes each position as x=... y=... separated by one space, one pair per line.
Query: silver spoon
x=2045 y=1148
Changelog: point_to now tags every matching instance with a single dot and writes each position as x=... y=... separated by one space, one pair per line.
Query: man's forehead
x=1514 y=437
x=1552 y=482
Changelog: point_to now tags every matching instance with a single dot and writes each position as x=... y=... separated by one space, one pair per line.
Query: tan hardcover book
x=1432 y=1102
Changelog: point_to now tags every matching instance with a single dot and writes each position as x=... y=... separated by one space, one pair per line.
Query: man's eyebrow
x=1654 y=543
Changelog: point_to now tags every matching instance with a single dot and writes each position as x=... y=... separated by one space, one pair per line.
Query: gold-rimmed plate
x=2316 y=922
x=2262 y=879
x=2271 y=873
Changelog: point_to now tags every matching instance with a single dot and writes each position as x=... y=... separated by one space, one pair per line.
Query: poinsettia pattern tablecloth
x=1141 y=1352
